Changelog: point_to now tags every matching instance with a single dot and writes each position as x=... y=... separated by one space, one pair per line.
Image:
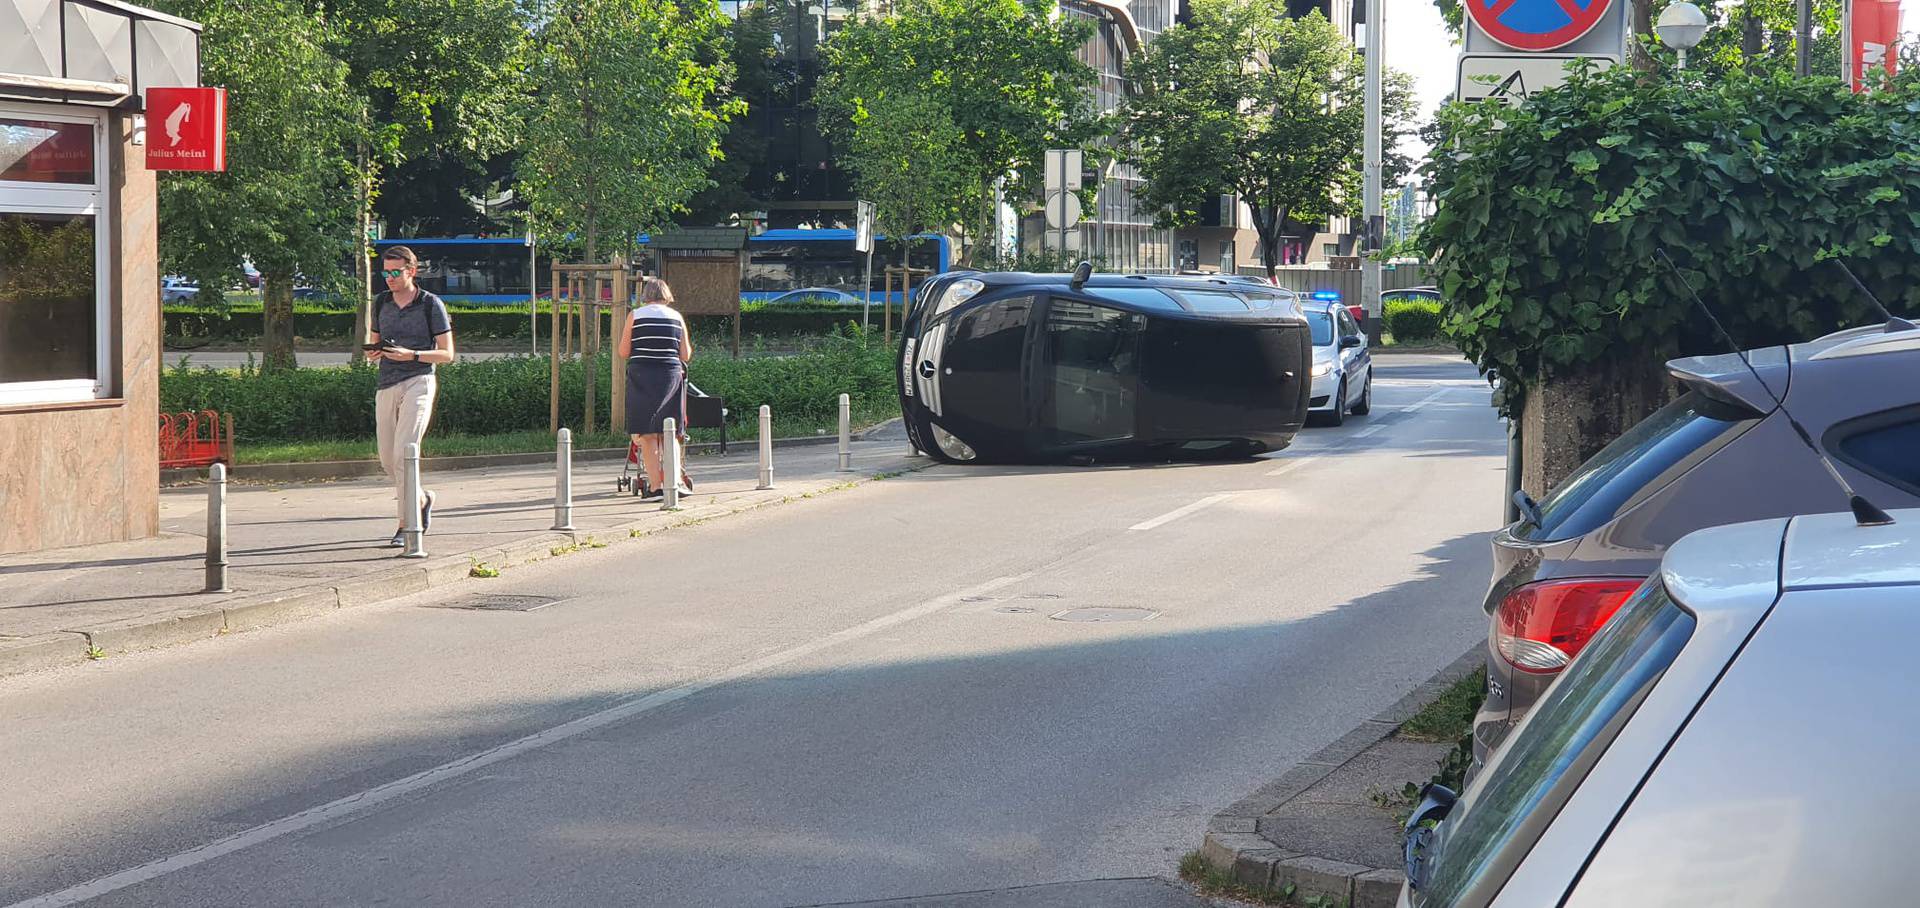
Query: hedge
x=1413 y=321
x=510 y=393
x=242 y=322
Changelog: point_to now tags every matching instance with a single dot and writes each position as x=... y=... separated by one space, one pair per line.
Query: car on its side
x=1342 y=364
x=1736 y=735
x=815 y=296
x=1723 y=452
x=1025 y=368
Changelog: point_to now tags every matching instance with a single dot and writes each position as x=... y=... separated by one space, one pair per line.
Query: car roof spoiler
x=1726 y=378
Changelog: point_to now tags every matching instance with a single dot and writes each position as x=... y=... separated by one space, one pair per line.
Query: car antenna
x=1864 y=512
x=1894 y=322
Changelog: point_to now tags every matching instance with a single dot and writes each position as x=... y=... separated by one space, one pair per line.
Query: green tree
x=763 y=78
x=1243 y=98
x=1006 y=74
x=1551 y=219
x=286 y=200
x=917 y=180
x=439 y=83
x=626 y=116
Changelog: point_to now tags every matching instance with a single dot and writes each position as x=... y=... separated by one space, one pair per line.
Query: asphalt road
x=871 y=696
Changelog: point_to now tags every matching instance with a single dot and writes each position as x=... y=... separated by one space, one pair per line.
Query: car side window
x=1886 y=447
x=1347 y=326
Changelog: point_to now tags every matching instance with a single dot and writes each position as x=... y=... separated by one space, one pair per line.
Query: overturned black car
x=1012 y=367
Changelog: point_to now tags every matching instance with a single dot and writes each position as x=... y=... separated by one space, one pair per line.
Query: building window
x=1227 y=264
x=54 y=295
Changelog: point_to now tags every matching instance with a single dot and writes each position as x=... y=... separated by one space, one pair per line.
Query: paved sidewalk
x=298 y=550
x=1330 y=827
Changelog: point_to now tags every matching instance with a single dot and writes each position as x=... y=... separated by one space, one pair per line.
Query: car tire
x=1365 y=405
x=1338 y=415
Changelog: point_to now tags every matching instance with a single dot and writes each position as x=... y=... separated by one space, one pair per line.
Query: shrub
x=241 y=322
x=1413 y=321
x=479 y=397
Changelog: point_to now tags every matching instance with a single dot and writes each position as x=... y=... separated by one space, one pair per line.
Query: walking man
x=411 y=334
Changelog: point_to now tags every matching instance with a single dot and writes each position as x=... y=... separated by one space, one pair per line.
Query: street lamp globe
x=1681 y=26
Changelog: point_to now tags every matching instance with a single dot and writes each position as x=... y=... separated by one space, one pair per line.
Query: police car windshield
x=1321 y=322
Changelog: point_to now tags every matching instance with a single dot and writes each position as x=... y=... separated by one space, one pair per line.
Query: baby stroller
x=633 y=478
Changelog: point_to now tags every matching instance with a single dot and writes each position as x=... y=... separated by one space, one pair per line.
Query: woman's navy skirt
x=656 y=392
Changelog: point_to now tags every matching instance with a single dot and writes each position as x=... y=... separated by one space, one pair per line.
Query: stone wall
x=90 y=472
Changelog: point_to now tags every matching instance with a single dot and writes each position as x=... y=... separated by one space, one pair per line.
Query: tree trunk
x=363 y=263
x=276 y=336
x=1570 y=417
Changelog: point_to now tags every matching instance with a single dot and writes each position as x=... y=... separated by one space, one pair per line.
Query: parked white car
x=1738 y=734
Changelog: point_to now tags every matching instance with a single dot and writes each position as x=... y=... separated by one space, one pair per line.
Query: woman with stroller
x=657 y=347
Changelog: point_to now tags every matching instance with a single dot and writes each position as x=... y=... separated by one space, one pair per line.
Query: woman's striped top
x=657 y=332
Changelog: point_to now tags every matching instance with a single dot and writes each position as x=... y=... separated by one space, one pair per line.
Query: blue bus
x=495 y=269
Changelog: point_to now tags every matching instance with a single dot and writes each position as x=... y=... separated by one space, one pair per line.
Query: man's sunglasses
x=394 y=272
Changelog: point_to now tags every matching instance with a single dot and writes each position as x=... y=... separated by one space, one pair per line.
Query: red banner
x=186 y=129
x=1872 y=28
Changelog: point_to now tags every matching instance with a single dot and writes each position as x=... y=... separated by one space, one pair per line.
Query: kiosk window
x=1094 y=353
x=54 y=316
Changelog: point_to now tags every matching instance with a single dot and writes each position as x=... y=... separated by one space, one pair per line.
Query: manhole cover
x=505 y=603
x=1105 y=614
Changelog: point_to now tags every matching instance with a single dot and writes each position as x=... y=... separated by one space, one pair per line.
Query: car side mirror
x=1351 y=340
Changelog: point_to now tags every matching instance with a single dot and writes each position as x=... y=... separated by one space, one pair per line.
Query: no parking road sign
x=1537 y=25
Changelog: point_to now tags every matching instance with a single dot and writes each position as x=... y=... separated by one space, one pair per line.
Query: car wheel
x=1338 y=415
x=1365 y=405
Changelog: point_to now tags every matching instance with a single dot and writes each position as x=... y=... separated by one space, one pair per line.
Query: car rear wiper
x=1529 y=508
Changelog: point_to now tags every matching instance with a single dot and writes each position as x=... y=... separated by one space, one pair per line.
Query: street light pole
x=1369 y=267
x=1803 y=38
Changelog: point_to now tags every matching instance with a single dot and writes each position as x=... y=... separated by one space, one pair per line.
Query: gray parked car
x=1721 y=453
x=1737 y=735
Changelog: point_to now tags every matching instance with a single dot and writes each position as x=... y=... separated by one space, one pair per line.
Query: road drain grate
x=504 y=603
x=1105 y=614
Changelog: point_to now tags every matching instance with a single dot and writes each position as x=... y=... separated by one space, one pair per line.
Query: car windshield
x=1321 y=322
x=1510 y=804
x=1646 y=454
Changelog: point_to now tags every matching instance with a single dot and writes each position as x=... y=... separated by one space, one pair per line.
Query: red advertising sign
x=1872 y=28
x=186 y=129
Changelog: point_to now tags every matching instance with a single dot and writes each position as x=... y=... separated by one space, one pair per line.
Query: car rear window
x=1517 y=795
x=1597 y=492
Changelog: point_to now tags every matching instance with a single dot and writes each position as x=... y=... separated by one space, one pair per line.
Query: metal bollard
x=670 y=465
x=563 y=482
x=217 y=529
x=766 y=447
x=410 y=529
x=846 y=434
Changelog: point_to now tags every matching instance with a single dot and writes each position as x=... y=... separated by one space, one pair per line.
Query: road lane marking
x=1181 y=511
x=1426 y=400
x=373 y=797
x=1288 y=467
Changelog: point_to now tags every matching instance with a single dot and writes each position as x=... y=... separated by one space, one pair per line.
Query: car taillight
x=1540 y=627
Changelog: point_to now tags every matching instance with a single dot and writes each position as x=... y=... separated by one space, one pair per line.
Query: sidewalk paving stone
x=298 y=550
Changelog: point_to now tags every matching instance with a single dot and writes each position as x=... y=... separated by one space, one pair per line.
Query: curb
x=244 y=613
x=1233 y=842
x=321 y=470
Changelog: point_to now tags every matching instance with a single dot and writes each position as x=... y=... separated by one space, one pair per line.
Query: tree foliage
x=1551 y=216
x=1242 y=98
x=286 y=200
x=627 y=114
x=1001 y=79
x=917 y=179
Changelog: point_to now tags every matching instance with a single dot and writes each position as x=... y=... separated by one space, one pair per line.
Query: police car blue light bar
x=1327 y=295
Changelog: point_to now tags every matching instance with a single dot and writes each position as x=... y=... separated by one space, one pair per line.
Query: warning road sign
x=1510 y=78
x=1536 y=24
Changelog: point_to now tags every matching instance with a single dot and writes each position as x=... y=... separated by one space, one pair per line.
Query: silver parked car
x=1342 y=363
x=1723 y=452
x=1737 y=735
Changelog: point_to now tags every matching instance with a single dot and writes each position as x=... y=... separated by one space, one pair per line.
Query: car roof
x=1740 y=563
x=1173 y=281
